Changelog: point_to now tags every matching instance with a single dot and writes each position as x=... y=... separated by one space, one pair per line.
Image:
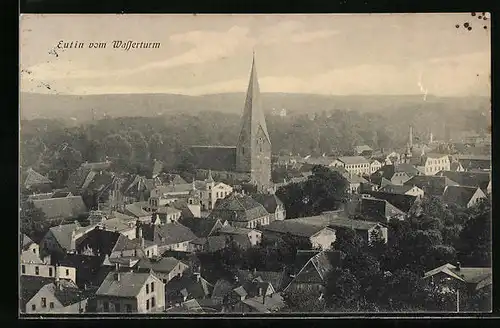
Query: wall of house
x=399 y=178
x=375 y=166
x=33 y=248
x=255 y=237
x=35 y=304
x=178 y=270
x=145 y=296
x=434 y=165
x=478 y=195
x=280 y=213
x=323 y=239
x=48 y=271
x=382 y=230
x=115 y=304
x=181 y=247
x=415 y=191
x=358 y=169
x=79 y=307
x=151 y=251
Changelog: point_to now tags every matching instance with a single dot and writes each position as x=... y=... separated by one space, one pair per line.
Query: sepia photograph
x=254 y=164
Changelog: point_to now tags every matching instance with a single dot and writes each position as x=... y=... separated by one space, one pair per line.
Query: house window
x=128 y=308
x=164 y=281
x=51 y=305
x=147 y=289
x=50 y=272
x=105 y=305
x=37 y=271
x=152 y=287
x=33 y=307
x=34 y=250
x=117 y=307
x=44 y=302
x=23 y=268
x=148 y=253
x=153 y=304
x=209 y=195
x=67 y=272
x=147 y=304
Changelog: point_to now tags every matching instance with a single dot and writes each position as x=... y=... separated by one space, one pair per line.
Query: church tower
x=253 y=150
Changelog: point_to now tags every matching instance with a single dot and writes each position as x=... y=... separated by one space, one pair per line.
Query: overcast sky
x=322 y=54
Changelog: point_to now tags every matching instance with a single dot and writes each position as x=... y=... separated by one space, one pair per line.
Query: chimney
x=117 y=273
x=263 y=298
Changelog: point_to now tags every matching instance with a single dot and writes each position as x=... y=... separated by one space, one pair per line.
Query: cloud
x=312 y=36
x=291 y=31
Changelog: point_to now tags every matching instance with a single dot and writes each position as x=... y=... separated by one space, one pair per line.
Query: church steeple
x=253 y=154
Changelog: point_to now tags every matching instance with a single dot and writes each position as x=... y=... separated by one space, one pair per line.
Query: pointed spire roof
x=253 y=117
x=209 y=178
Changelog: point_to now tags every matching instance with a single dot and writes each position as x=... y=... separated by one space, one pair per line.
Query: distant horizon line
x=242 y=92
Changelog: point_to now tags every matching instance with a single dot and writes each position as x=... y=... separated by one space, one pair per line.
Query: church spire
x=209 y=177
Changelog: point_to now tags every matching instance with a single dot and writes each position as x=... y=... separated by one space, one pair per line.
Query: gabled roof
x=348 y=160
x=271 y=303
x=34 y=178
x=215 y=243
x=293 y=227
x=67 y=295
x=63 y=233
x=26 y=241
x=123 y=243
x=236 y=207
x=164 y=265
x=100 y=241
x=136 y=210
x=222 y=288
x=468 y=179
x=118 y=224
x=316 y=269
x=269 y=201
x=195 y=288
x=431 y=184
x=61 y=208
x=276 y=279
x=360 y=149
x=230 y=230
x=335 y=221
x=459 y=195
x=401 y=201
x=478 y=276
x=130 y=284
x=168 y=234
x=201 y=227
x=29 y=286
x=396 y=189
x=87 y=267
x=379 y=209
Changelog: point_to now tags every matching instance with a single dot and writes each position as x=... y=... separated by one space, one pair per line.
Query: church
x=250 y=160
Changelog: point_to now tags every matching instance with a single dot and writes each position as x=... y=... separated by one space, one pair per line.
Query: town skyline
x=397 y=54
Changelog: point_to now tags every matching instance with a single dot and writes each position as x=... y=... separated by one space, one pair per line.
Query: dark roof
x=222 y=288
x=61 y=208
x=201 y=227
x=468 y=179
x=276 y=279
x=77 y=178
x=63 y=233
x=236 y=207
x=335 y=221
x=269 y=201
x=100 y=241
x=353 y=160
x=294 y=228
x=431 y=184
x=242 y=241
x=459 y=195
x=215 y=243
x=475 y=162
x=129 y=285
x=168 y=234
x=125 y=244
x=400 y=201
x=378 y=209
x=164 y=265
x=86 y=267
x=477 y=276
x=317 y=267
x=217 y=158
x=29 y=286
x=26 y=241
x=69 y=295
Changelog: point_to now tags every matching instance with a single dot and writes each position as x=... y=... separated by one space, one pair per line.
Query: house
x=202 y=227
x=86 y=267
x=363 y=150
x=431 y=185
x=393 y=174
x=187 y=287
x=208 y=244
x=135 y=188
x=312 y=275
x=58 y=297
x=211 y=191
x=62 y=239
x=47 y=270
x=374 y=166
x=450 y=276
x=167 y=214
x=354 y=183
x=171 y=236
x=139 y=247
x=273 y=205
x=432 y=163
x=403 y=190
x=126 y=292
x=120 y=223
x=240 y=211
x=365 y=229
x=97 y=242
x=262 y=304
x=189 y=306
x=478 y=162
x=137 y=211
x=30 y=251
x=469 y=179
x=319 y=237
x=356 y=165
x=62 y=209
x=165 y=268
x=463 y=196
x=380 y=210
x=402 y=202
x=456 y=167
x=35 y=182
x=253 y=235
x=276 y=280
